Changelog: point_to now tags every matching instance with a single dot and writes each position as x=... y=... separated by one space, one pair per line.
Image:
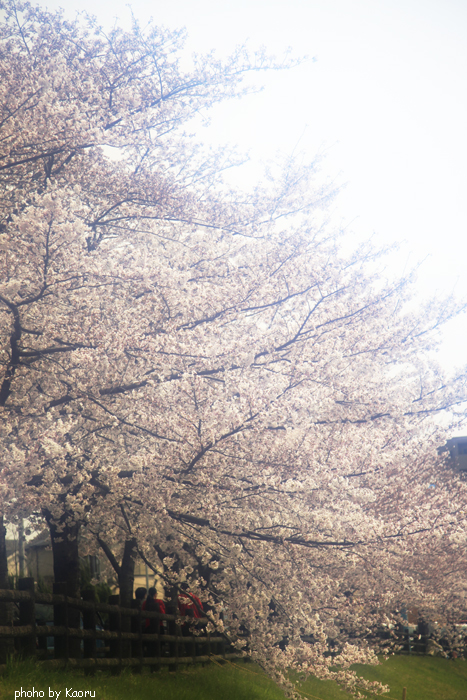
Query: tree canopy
x=201 y=376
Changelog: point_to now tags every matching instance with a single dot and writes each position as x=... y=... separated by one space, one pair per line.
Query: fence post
x=27 y=616
x=221 y=647
x=190 y=646
x=115 y=625
x=7 y=644
x=66 y=647
x=160 y=633
x=174 y=630
x=209 y=645
x=89 y=623
x=125 y=626
x=61 y=644
x=137 y=628
x=404 y=694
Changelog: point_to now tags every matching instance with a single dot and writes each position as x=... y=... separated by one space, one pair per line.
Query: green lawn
x=425 y=678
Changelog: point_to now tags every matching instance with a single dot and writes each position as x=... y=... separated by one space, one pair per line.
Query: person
x=140 y=594
x=152 y=625
x=153 y=604
x=189 y=605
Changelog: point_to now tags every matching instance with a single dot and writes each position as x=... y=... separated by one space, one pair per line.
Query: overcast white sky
x=383 y=96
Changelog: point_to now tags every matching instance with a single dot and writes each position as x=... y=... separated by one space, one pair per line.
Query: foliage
x=203 y=375
x=102 y=588
x=43 y=586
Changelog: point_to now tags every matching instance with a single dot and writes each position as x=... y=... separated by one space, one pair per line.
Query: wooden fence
x=88 y=634
x=409 y=641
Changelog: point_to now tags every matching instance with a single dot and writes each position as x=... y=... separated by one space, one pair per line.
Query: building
x=39 y=559
x=457 y=448
x=38 y=563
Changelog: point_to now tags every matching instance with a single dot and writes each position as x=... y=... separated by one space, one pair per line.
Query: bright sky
x=383 y=96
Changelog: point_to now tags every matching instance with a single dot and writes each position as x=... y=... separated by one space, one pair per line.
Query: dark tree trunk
x=64 y=537
x=126 y=575
x=3 y=556
x=65 y=553
x=6 y=609
x=126 y=580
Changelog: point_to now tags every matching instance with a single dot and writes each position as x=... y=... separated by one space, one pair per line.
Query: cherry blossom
x=202 y=377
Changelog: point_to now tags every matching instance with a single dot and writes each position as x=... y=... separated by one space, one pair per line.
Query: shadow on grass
x=212 y=682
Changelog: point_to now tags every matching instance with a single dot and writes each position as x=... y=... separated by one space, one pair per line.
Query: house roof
x=39 y=541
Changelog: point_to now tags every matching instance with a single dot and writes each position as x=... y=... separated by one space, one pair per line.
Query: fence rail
x=444 y=643
x=89 y=634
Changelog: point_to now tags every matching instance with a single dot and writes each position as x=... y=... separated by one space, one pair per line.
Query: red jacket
x=155 y=605
x=186 y=604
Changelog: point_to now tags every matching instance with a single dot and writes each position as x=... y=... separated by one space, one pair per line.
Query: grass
x=425 y=678
x=210 y=683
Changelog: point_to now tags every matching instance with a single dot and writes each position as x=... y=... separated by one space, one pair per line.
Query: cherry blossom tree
x=130 y=96
x=202 y=377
